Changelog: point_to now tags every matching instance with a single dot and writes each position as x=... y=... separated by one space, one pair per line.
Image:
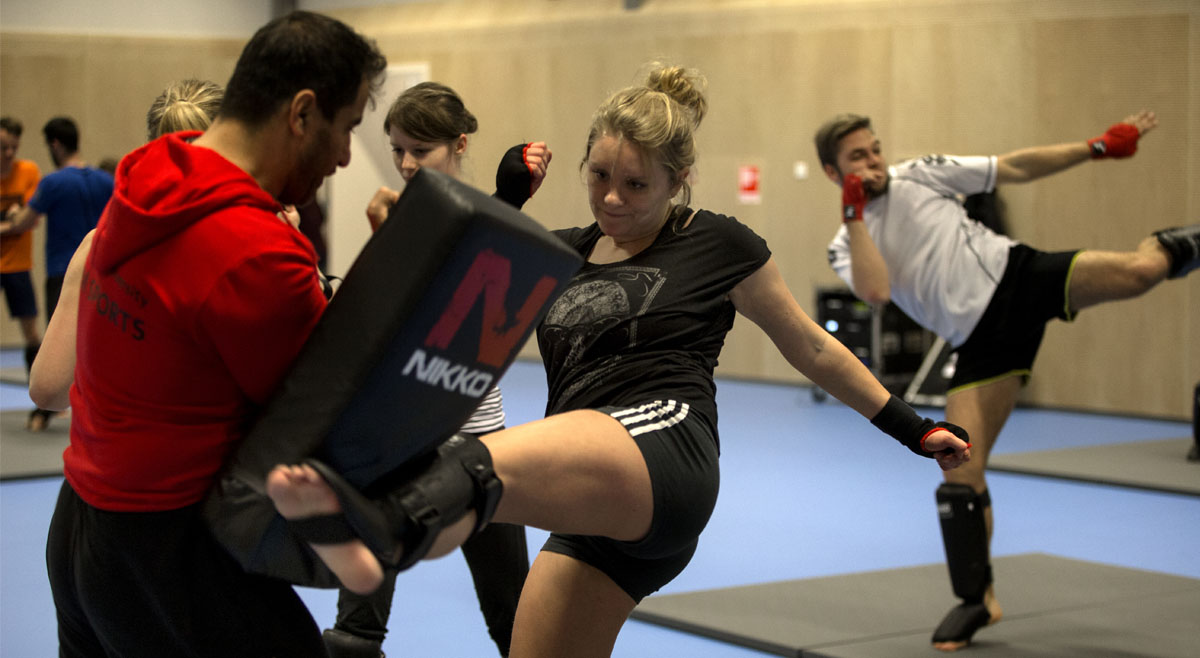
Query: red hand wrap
x=854 y=198
x=1119 y=141
x=941 y=426
x=525 y=159
x=923 y=449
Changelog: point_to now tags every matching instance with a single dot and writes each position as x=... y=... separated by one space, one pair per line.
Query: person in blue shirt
x=71 y=200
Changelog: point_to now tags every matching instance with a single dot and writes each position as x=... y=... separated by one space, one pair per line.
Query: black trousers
x=498 y=558
x=54 y=286
x=155 y=584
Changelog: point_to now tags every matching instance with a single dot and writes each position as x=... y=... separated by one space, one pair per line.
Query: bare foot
x=995 y=615
x=299 y=492
x=39 y=420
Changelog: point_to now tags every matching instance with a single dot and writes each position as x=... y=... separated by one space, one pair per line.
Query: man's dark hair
x=832 y=132
x=11 y=126
x=64 y=131
x=301 y=50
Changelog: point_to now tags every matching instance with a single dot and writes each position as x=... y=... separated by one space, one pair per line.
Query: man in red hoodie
x=194 y=301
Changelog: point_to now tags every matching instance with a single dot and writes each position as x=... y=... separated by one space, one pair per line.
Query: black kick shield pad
x=428 y=318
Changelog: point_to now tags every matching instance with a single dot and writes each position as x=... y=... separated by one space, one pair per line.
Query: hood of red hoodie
x=164 y=187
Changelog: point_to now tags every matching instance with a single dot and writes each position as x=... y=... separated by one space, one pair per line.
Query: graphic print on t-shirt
x=599 y=313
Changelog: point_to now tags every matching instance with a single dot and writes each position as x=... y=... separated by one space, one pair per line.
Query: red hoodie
x=195 y=300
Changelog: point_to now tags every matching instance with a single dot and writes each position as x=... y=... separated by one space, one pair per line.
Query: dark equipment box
x=888 y=342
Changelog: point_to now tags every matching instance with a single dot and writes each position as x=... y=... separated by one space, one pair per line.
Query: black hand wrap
x=899 y=421
x=513 y=180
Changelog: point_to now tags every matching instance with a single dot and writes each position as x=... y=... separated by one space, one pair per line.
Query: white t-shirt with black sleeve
x=942 y=265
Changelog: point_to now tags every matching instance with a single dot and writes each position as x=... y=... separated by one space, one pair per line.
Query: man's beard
x=875 y=194
x=311 y=175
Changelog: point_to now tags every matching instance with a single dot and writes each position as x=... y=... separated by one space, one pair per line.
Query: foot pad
x=961 y=623
x=1183 y=243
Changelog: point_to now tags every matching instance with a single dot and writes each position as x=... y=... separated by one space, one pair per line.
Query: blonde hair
x=184 y=105
x=659 y=116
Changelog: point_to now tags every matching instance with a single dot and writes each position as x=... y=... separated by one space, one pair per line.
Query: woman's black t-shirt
x=650 y=327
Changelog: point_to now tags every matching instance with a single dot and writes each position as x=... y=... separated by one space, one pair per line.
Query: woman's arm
x=764 y=298
x=53 y=370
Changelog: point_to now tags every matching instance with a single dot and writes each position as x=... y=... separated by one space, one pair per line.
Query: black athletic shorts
x=680 y=449
x=1004 y=343
x=18 y=292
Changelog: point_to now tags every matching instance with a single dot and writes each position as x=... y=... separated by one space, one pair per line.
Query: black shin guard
x=400 y=528
x=1183 y=244
x=964 y=533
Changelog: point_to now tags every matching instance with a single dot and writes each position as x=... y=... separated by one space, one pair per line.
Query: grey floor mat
x=24 y=454
x=1160 y=465
x=13 y=376
x=1053 y=607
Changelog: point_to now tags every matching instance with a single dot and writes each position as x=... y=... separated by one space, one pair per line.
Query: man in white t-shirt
x=906 y=238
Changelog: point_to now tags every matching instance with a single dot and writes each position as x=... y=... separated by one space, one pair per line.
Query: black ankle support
x=1183 y=244
x=461 y=479
x=476 y=460
x=400 y=527
x=365 y=516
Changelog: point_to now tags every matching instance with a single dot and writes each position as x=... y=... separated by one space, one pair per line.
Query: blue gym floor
x=809 y=489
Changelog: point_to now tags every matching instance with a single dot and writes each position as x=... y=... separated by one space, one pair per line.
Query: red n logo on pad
x=489 y=277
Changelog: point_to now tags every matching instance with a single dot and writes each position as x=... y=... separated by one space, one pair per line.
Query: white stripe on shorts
x=488 y=416
x=656 y=415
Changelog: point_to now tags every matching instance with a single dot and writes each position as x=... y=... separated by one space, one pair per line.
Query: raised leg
x=578 y=472
x=1105 y=276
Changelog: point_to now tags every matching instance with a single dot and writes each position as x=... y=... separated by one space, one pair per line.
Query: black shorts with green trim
x=1005 y=341
x=680 y=449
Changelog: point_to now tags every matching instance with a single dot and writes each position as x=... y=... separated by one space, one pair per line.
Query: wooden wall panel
x=106 y=84
x=965 y=76
x=1131 y=354
x=950 y=77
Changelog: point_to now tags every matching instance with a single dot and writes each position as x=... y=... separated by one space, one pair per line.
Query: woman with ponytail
x=623 y=470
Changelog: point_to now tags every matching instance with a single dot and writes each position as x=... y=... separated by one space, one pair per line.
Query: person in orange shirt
x=18 y=180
